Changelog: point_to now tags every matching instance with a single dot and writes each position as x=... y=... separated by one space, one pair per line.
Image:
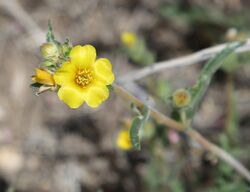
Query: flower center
x=84 y=77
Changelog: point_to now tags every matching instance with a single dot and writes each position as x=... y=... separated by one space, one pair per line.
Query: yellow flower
x=128 y=39
x=83 y=78
x=43 y=77
x=123 y=140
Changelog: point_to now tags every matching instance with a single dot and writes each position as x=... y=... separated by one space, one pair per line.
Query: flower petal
x=65 y=74
x=83 y=56
x=103 y=71
x=96 y=95
x=71 y=96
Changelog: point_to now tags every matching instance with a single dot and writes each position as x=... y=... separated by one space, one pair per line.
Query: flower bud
x=181 y=98
x=128 y=39
x=231 y=34
x=49 y=51
x=43 y=77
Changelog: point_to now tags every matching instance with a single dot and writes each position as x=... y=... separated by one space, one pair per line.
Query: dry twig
x=197 y=57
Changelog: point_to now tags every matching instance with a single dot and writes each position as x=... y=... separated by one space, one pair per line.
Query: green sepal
x=48 y=63
x=66 y=48
x=50 y=37
x=110 y=88
x=36 y=85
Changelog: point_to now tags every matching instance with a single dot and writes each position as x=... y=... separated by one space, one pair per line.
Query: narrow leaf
x=136 y=128
x=134 y=133
x=50 y=35
x=206 y=75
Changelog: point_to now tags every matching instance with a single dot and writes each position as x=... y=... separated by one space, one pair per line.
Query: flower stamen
x=84 y=77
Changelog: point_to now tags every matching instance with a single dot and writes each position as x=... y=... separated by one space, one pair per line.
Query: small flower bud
x=49 y=51
x=231 y=34
x=181 y=98
x=43 y=77
x=128 y=39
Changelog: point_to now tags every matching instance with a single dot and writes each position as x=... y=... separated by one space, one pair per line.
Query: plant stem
x=219 y=152
x=231 y=119
x=206 y=76
x=194 y=58
x=153 y=112
x=163 y=119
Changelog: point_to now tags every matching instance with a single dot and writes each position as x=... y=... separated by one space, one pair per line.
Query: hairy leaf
x=50 y=35
x=206 y=75
x=136 y=128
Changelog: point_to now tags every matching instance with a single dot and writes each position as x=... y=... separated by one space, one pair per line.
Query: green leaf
x=136 y=127
x=215 y=63
x=205 y=77
x=134 y=133
x=50 y=35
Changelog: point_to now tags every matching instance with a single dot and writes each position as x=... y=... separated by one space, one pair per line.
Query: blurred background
x=47 y=147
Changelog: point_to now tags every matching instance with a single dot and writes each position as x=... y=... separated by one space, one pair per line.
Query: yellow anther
x=84 y=77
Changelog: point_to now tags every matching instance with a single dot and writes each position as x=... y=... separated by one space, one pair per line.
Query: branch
x=197 y=57
x=162 y=119
x=222 y=154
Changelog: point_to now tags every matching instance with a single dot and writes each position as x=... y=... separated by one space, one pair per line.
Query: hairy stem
x=163 y=119
x=194 y=58
x=206 y=76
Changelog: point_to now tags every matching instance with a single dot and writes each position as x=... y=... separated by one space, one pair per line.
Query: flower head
x=83 y=78
x=181 y=98
x=43 y=77
x=129 y=39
